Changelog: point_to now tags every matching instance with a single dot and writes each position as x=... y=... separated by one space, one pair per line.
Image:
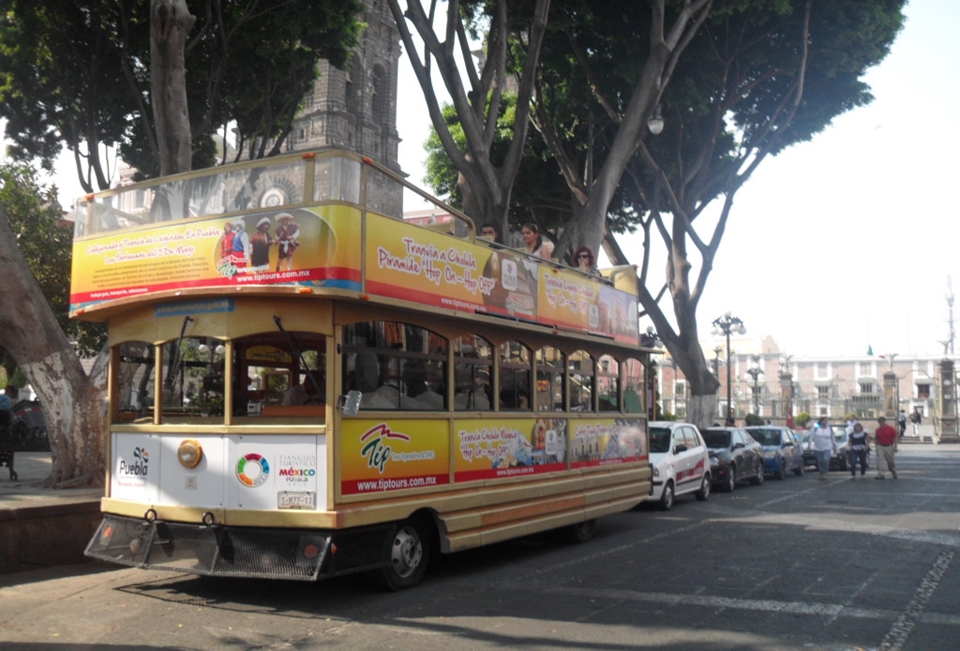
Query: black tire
x=407 y=553
x=843 y=463
x=667 y=498
x=703 y=494
x=731 y=482
x=581 y=532
x=757 y=479
x=798 y=471
x=782 y=470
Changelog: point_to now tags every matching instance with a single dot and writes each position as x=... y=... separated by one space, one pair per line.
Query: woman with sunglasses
x=584 y=261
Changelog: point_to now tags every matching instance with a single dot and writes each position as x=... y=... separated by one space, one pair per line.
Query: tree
x=484 y=184
x=754 y=77
x=753 y=83
x=76 y=75
x=29 y=330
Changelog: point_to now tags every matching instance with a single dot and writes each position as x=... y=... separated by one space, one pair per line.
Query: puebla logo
x=139 y=466
x=253 y=470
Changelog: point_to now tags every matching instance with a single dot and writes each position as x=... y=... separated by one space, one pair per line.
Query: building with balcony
x=767 y=382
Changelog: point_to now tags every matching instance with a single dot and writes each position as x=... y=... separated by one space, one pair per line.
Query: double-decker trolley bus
x=304 y=385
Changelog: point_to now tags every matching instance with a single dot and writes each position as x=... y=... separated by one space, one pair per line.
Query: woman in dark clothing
x=858 y=451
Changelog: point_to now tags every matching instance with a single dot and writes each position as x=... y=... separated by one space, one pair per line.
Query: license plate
x=296 y=500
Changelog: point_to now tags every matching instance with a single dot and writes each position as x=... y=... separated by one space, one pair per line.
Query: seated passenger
x=302 y=394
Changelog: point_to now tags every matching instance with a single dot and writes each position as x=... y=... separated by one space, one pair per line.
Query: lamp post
x=727 y=324
x=755 y=372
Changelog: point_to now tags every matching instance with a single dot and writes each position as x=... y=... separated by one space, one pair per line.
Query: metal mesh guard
x=212 y=551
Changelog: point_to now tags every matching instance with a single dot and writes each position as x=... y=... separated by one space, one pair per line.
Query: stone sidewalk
x=40 y=527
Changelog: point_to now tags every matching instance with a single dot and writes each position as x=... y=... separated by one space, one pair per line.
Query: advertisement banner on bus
x=387 y=455
x=606 y=442
x=430 y=268
x=500 y=448
x=290 y=246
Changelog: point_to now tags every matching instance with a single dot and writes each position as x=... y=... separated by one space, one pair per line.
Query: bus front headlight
x=189 y=453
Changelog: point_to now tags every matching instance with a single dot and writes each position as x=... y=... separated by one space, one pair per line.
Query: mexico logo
x=253 y=470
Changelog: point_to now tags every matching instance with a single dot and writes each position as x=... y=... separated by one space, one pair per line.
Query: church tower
x=356 y=109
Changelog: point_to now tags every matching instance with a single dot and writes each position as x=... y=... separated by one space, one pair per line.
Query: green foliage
x=753 y=419
x=46 y=241
x=802 y=419
x=76 y=74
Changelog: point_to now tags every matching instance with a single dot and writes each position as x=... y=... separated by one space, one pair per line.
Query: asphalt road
x=794 y=564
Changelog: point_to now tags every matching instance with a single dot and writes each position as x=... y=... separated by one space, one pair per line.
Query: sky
x=840 y=244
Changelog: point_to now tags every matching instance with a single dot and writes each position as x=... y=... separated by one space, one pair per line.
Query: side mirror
x=680 y=448
x=349 y=404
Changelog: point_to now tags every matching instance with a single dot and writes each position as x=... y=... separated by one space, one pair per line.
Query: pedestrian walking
x=824 y=443
x=916 y=419
x=902 y=422
x=886 y=438
x=858 y=451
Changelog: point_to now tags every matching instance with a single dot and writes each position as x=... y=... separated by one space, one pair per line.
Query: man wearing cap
x=287 y=233
x=886 y=444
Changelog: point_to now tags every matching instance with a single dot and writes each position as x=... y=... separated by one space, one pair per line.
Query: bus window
x=137 y=360
x=473 y=365
x=192 y=378
x=280 y=374
x=550 y=379
x=515 y=374
x=608 y=384
x=582 y=381
x=633 y=387
x=396 y=366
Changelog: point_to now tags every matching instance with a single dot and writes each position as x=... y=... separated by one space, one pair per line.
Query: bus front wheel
x=408 y=553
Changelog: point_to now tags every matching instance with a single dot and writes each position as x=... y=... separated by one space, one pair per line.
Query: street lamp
x=755 y=372
x=726 y=324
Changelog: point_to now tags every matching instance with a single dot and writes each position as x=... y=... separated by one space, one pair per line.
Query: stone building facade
x=820 y=386
x=356 y=109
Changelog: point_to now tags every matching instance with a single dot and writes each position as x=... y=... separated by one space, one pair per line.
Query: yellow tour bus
x=303 y=384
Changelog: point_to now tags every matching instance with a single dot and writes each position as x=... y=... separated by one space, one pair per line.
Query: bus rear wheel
x=408 y=552
x=581 y=532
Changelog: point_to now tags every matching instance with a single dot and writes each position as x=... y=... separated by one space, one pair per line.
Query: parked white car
x=680 y=463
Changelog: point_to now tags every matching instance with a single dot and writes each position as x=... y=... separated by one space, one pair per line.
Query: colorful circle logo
x=253 y=470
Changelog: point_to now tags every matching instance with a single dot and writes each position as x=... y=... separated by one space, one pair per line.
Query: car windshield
x=766 y=436
x=716 y=438
x=659 y=439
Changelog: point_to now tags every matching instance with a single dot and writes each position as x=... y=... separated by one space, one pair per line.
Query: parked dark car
x=734 y=457
x=781 y=449
x=839 y=460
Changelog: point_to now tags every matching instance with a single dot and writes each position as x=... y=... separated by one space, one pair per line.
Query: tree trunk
x=170 y=23
x=72 y=403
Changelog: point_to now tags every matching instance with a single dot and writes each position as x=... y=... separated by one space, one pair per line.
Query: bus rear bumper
x=215 y=550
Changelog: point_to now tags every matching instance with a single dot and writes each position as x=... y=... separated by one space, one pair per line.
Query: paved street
x=794 y=564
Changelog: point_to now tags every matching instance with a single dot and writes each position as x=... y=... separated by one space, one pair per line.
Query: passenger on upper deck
x=534 y=242
x=584 y=261
x=491 y=233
